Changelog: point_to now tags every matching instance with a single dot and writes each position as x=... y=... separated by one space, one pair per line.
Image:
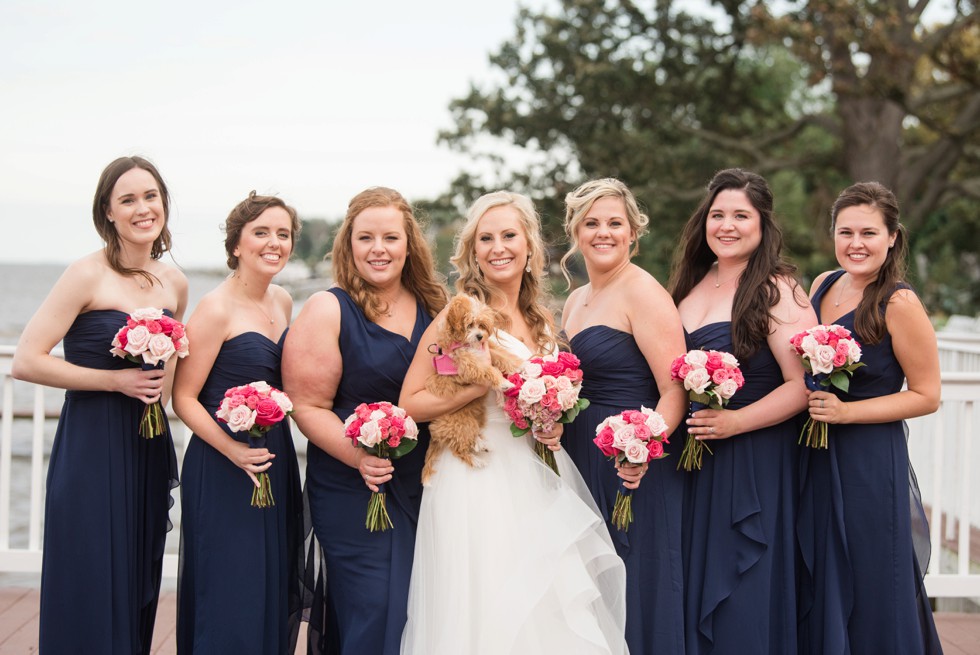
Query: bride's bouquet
x=150 y=338
x=830 y=355
x=255 y=408
x=711 y=378
x=386 y=431
x=546 y=391
x=635 y=437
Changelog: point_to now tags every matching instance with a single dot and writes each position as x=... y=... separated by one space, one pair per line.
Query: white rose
x=655 y=422
x=729 y=359
x=809 y=346
x=637 y=452
x=822 y=360
x=853 y=351
x=282 y=400
x=137 y=340
x=567 y=398
x=623 y=435
x=181 y=346
x=530 y=371
x=370 y=434
x=562 y=382
x=696 y=358
x=159 y=349
x=241 y=419
x=727 y=388
x=377 y=415
x=147 y=314
x=411 y=429
x=532 y=391
x=697 y=380
x=262 y=387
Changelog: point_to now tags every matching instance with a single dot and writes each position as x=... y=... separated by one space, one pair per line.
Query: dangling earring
x=527 y=269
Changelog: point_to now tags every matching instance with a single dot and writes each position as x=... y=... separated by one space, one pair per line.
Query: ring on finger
x=821 y=403
x=711 y=429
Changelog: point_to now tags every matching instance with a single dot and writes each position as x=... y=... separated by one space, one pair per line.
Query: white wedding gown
x=510 y=558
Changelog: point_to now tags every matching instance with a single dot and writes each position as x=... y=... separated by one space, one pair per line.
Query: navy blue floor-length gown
x=861 y=588
x=739 y=512
x=368 y=573
x=616 y=377
x=106 y=510
x=239 y=565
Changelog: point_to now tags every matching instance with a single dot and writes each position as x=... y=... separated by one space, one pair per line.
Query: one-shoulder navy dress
x=106 y=510
x=616 y=377
x=739 y=523
x=239 y=565
x=861 y=584
x=368 y=573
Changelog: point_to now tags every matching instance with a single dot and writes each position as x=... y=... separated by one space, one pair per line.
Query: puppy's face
x=468 y=321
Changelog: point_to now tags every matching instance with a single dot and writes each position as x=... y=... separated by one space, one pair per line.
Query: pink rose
x=568 y=360
x=268 y=412
x=604 y=440
x=675 y=367
x=623 y=435
x=637 y=452
x=411 y=429
x=697 y=380
x=394 y=440
x=282 y=399
x=655 y=422
x=656 y=449
x=532 y=391
x=727 y=389
x=575 y=377
x=822 y=360
x=554 y=369
x=241 y=419
x=158 y=349
x=720 y=375
x=714 y=361
x=352 y=427
x=137 y=340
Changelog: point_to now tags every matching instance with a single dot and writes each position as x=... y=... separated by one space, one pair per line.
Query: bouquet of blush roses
x=634 y=436
x=150 y=338
x=830 y=356
x=711 y=378
x=385 y=431
x=546 y=391
x=255 y=408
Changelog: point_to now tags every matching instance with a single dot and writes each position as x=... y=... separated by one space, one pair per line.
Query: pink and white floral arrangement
x=386 y=431
x=546 y=391
x=150 y=338
x=255 y=408
x=711 y=378
x=632 y=437
x=830 y=355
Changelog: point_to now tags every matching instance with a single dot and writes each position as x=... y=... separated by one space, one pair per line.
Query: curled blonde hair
x=471 y=281
x=579 y=202
x=418 y=275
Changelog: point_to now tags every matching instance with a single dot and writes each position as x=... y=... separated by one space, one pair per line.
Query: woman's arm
x=207 y=330
x=421 y=405
x=786 y=400
x=914 y=345
x=33 y=361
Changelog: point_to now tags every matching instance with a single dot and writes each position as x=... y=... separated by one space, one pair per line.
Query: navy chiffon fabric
x=861 y=588
x=368 y=573
x=738 y=534
x=106 y=510
x=616 y=377
x=239 y=567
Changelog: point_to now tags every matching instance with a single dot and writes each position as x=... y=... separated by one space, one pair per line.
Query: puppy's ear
x=456 y=318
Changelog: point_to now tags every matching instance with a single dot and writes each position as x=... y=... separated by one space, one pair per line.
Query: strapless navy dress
x=616 y=377
x=105 y=512
x=238 y=590
x=861 y=585
x=739 y=522
x=367 y=573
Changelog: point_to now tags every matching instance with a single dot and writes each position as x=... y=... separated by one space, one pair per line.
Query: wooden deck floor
x=960 y=633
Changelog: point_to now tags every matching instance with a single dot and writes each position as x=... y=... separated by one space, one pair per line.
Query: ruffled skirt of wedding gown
x=511 y=558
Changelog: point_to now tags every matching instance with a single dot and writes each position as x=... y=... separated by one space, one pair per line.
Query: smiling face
x=136 y=207
x=266 y=242
x=861 y=240
x=379 y=245
x=604 y=235
x=501 y=246
x=734 y=227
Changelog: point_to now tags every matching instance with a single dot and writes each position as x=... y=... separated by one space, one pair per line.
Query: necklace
x=607 y=285
x=840 y=292
x=391 y=306
x=718 y=282
x=257 y=305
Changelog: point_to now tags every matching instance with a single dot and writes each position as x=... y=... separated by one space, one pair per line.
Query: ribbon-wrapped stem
x=151 y=424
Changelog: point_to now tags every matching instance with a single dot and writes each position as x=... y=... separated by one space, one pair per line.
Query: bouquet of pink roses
x=385 y=431
x=255 y=408
x=711 y=378
x=634 y=436
x=150 y=338
x=830 y=356
x=546 y=391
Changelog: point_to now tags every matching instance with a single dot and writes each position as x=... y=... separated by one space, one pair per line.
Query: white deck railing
x=940 y=445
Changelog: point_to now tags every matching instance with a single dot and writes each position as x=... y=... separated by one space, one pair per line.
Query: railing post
x=6 y=439
x=37 y=470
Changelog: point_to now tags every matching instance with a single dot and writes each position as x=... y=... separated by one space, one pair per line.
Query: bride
x=509 y=557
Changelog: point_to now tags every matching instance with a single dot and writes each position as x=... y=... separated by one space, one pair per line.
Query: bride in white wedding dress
x=509 y=557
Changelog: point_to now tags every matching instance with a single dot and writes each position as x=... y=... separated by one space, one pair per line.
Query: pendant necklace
x=718 y=282
x=257 y=305
x=840 y=293
x=607 y=285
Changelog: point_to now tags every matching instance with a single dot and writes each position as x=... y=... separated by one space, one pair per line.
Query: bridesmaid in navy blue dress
x=735 y=293
x=108 y=491
x=239 y=578
x=625 y=330
x=353 y=344
x=861 y=589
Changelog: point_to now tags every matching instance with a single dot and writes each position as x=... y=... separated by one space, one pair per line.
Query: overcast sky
x=313 y=101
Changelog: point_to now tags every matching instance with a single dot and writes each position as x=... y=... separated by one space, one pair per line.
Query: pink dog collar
x=443 y=363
